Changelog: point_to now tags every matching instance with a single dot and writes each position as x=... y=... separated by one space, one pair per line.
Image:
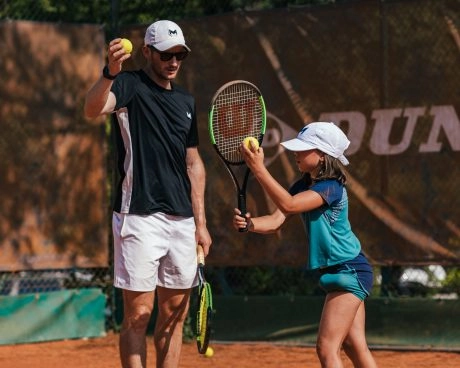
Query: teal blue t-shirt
x=330 y=237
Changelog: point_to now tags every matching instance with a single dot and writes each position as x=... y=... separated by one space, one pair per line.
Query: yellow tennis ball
x=127 y=45
x=209 y=352
x=247 y=142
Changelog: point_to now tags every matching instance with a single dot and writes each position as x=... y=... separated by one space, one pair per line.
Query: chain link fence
x=391 y=280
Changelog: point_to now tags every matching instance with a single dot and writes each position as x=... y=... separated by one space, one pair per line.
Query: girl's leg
x=338 y=314
x=355 y=344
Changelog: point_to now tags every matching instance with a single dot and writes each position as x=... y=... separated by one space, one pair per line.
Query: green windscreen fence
x=410 y=323
x=55 y=315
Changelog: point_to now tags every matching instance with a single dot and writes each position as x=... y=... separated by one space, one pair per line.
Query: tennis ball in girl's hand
x=127 y=45
x=247 y=142
x=209 y=352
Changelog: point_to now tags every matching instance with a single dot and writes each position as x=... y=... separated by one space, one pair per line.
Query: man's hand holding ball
x=127 y=45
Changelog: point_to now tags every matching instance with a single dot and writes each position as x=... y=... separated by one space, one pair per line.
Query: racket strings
x=204 y=304
x=238 y=112
x=204 y=317
x=201 y=276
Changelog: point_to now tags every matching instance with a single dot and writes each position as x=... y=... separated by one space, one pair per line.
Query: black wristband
x=106 y=73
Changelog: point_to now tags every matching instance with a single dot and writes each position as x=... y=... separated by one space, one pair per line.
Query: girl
x=321 y=199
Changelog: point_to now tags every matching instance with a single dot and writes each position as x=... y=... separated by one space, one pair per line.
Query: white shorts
x=153 y=250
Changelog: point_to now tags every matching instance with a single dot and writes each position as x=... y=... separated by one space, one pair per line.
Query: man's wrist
x=106 y=73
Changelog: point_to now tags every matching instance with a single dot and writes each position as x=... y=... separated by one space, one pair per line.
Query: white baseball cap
x=324 y=136
x=163 y=35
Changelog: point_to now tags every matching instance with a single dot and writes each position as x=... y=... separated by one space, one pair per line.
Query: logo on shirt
x=189 y=115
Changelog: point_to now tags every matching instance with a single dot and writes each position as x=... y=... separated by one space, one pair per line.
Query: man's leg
x=172 y=312
x=137 y=309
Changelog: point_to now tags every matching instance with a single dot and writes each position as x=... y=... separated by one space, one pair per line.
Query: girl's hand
x=254 y=158
x=240 y=221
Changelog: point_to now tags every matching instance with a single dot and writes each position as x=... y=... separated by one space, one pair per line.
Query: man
x=158 y=214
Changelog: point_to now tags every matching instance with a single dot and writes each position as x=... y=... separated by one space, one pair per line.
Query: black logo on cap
x=171 y=32
x=303 y=129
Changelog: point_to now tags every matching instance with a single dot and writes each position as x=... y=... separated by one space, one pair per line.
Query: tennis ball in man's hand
x=209 y=352
x=127 y=45
x=247 y=142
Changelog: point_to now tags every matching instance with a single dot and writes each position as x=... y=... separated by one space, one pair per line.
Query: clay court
x=103 y=353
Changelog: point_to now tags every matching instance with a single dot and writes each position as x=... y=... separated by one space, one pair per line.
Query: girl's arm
x=262 y=224
x=286 y=203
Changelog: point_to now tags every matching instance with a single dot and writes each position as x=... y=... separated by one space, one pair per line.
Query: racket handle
x=200 y=254
x=242 y=208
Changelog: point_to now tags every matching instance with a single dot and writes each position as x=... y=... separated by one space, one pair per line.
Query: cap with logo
x=163 y=35
x=324 y=136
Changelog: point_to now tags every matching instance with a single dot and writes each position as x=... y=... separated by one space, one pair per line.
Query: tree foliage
x=133 y=11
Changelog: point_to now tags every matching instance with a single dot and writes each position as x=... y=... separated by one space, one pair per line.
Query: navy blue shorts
x=354 y=276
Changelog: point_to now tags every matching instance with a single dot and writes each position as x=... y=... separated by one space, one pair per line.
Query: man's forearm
x=97 y=97
x=197 y=176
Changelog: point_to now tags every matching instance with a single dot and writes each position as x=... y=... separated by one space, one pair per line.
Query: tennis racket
x=237 y=111
x=205 y=310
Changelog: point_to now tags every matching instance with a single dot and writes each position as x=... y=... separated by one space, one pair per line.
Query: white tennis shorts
x=153 y=250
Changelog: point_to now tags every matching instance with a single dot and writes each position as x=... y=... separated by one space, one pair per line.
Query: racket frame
x=204 y=294
x=240 y=189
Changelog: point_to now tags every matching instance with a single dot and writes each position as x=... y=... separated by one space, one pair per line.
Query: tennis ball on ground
x=127 y=45
x=209 y=352
x=248 y=140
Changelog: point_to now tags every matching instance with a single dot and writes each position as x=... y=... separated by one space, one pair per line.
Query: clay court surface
x=103 y=353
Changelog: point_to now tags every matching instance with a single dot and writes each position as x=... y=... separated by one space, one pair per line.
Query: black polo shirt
x=153 y=127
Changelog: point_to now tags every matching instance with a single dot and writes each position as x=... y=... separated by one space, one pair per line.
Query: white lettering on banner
x=384 y=120
x=444 y=117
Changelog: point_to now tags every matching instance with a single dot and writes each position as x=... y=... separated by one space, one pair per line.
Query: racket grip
x=242 y=208
x=200 y=254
